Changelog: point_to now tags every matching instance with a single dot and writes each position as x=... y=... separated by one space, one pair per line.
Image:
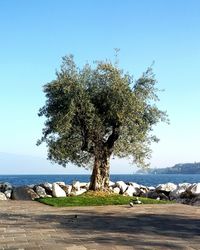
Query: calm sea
x=144 y=179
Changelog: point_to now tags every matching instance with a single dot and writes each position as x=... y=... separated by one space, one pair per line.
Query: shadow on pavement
x=136 y=230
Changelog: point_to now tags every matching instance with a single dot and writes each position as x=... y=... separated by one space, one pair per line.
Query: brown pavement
x=31 y=225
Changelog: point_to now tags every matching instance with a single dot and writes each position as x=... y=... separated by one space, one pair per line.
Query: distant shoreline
x=181 y=168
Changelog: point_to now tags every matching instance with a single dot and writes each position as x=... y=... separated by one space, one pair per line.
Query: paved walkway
x=30 y=225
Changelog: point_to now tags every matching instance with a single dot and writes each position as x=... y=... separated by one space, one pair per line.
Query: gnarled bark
x=101 y=174
x=101 y=171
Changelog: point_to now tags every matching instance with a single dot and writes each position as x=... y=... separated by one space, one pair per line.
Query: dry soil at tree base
x=31 y=225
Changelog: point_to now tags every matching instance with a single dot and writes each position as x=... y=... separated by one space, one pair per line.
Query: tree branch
x=113 y=137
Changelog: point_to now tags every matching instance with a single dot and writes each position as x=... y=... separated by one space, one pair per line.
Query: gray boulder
x=5 y=186
x=163 y=196
x=185 y=195
x=135 y=185
x=60 y=183
x=194 y=189
x=195 y=201
x=2 y=197
x=166 y=188
x=57 y=191
x=24 y=193
x=156 y=195
x=152 y=195
x=1 y=187
x=67 y=189
x=132 y=191
x=40 y=191
x=79 y=192
x=186 y=201
x=84 y=184
x=8 y=194
x=116 y=190
x=151 y=188
x=48 y=187
x=111 y=184
x=181 y=188
x=122 y=185
x=76 y=185
x=143 y=190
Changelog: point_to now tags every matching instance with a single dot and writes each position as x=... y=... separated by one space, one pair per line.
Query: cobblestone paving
x=31 y=225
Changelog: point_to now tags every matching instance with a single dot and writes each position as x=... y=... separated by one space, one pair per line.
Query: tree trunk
x=101 y=173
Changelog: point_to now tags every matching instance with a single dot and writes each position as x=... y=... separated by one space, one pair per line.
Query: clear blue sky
x=35 y=35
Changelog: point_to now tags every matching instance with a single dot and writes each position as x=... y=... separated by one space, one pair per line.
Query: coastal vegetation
x=95 y=113
x=96 y=199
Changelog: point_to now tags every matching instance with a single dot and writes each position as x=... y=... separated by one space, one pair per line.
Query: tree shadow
x=134 y=230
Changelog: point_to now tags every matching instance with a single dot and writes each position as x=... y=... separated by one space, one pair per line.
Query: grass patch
x=96 y=199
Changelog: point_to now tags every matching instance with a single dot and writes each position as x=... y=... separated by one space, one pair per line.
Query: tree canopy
x=95 y=112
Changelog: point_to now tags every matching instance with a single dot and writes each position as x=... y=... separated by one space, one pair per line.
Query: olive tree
x=97 y=112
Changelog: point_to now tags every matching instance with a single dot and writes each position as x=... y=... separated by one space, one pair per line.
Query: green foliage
x=93 y=200
x=97 y=109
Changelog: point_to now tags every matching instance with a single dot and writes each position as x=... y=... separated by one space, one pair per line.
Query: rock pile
x=185 y=193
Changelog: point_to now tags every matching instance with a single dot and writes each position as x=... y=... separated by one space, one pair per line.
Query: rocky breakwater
x=185 y=193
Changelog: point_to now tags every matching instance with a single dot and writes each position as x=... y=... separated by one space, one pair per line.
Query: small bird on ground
x=135 y=201
x=131 y=204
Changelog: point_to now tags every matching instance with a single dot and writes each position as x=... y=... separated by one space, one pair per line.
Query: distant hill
x=184 y=168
